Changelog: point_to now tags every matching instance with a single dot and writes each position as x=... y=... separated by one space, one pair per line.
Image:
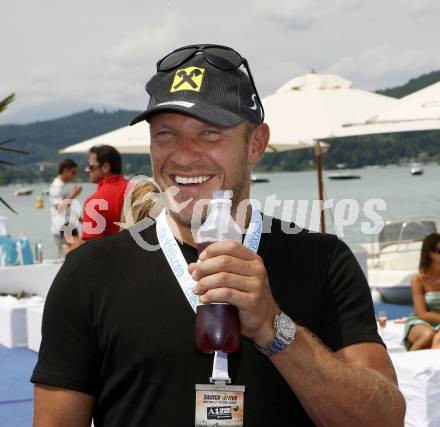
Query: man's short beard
x=237 y=191
x=182 y=220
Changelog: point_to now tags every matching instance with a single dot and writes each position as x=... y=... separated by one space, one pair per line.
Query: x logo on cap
x=188 y=79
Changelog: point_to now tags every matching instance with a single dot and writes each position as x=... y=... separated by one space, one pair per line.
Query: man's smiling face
x=198 y=158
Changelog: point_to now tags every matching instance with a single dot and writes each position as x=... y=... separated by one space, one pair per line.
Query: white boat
x=257 y=180
x=393 y=258
x=23 y=192
x=343 y=175
x=416 y=169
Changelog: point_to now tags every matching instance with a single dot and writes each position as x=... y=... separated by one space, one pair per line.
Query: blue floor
x=16 y=392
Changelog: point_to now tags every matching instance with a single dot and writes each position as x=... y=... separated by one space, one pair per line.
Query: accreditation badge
x=219 y=405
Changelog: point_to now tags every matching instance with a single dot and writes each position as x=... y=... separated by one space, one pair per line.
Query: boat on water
x=393 y=257
x=416 y=169
x=342 y=173
x=257 y=179
x=342 y=176
x=23 y=192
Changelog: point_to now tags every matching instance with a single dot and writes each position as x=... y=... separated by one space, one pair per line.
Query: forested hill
x=44 y=139
x=412 y=86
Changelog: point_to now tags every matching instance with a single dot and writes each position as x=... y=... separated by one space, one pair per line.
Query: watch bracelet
x=279 y=343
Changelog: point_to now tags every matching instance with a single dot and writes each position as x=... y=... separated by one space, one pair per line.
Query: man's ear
x=106 y=168
x=258 y=143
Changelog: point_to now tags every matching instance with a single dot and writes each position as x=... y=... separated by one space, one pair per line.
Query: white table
x=418 y=373
x=34 y=319
x=34 y=278
x=13 y=320
x=392 y=336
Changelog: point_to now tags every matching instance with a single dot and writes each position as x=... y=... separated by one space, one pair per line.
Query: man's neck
x=104 y=178
x=184 y=233
x=181 y=232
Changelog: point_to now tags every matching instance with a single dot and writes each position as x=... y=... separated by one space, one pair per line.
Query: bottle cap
x=222 y=194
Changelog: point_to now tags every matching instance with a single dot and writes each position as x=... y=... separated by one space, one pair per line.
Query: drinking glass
x=382 y=319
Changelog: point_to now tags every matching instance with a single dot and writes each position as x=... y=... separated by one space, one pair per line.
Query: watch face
x=286 y=327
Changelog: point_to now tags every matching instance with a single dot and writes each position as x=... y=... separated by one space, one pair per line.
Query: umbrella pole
x=318 y=162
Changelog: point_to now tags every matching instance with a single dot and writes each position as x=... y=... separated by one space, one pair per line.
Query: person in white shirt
x=57 y=194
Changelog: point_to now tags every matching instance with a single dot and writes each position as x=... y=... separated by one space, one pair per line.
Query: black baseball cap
x=198 y=89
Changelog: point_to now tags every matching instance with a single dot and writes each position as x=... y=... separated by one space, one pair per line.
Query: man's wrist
x=265 y=339
x=283 y=333
x=267 y=332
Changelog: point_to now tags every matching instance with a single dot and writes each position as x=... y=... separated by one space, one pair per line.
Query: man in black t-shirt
x=118 y=333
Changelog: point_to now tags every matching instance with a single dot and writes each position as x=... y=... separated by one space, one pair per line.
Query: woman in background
x=422 y=330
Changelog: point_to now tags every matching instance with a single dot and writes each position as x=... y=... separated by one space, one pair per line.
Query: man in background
x=57 y=193
x=102 y=210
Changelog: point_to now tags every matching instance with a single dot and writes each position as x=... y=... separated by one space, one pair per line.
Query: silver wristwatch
x=285 y=331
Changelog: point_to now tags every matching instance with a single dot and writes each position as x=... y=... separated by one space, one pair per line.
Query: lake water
x=404 y=195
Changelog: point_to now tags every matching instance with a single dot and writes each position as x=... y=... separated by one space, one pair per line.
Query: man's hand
x=63 y=205
x=75 y=192
x=229 y=272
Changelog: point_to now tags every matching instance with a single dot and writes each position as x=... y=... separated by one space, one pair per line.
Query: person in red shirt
x=102 y=210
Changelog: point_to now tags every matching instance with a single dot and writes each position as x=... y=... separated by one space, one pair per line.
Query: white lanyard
x=179 y=266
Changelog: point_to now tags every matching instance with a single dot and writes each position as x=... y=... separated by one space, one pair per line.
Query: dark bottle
x=217 y=325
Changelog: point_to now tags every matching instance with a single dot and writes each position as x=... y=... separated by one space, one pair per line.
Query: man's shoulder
x=124 y=244
x=56 y=183
x=117 y=182
x=289 y=232
x=110 y=189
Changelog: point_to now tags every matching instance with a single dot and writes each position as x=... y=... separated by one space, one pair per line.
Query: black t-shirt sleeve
x=348 y=315
x=68 y=356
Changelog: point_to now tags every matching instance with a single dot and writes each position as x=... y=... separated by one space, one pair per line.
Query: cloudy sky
x=102 y=52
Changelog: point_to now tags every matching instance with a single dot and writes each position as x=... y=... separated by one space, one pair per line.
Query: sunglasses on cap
x=221 y=57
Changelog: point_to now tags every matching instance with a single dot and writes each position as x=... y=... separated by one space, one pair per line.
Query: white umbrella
x=422 y=106
x=127 y=140
x=317 y=106
x=321 y=106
